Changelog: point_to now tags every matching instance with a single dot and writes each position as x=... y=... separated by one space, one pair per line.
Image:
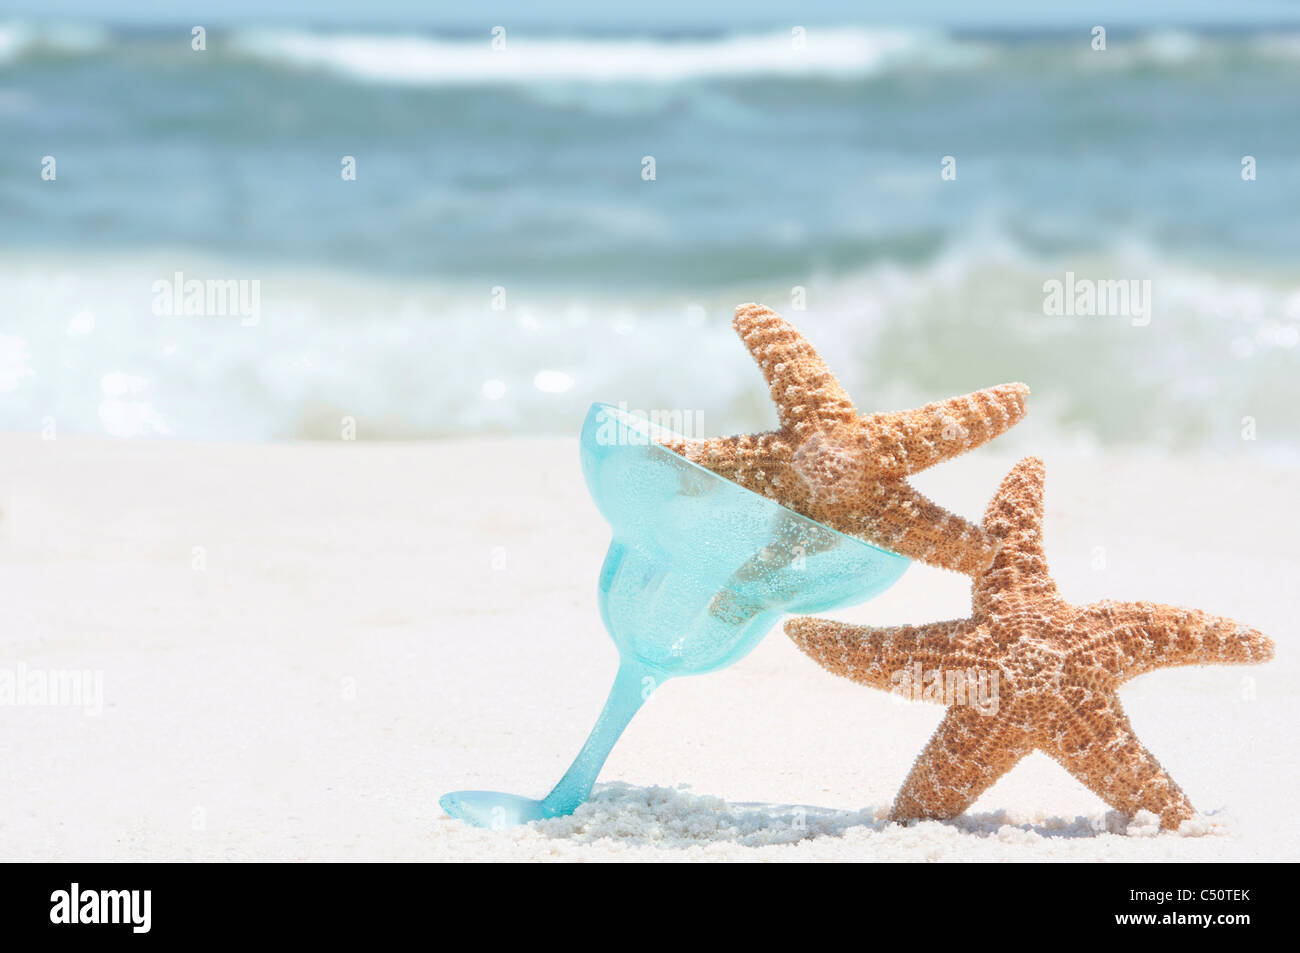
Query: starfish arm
x=697 y=451
x=1092 y=738
x=826 y=489
x=967 y=753
x=886 y=658
x=739 y=458
x=723 y=455
x=1136 y=637
x=762 y=463
x=806 y=393
x=1015 y=514
x=902 y=519
x=909 y=441
x=1014 y=518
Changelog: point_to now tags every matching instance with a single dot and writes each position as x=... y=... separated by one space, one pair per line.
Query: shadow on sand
x=676 y=818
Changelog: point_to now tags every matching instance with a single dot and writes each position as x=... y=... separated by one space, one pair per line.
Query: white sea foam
x=17 y=39
x=842 y=52
x=828 y=52
x=845 y=52
x=12 y=39
x=15 y=361
x=423 y=359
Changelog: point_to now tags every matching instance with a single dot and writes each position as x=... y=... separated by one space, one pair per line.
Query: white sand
x=350 y=653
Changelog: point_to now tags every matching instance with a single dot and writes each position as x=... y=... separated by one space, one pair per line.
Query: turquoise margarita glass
x=699 y=570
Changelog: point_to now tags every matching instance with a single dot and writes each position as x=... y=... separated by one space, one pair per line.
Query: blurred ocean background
x=514 y=177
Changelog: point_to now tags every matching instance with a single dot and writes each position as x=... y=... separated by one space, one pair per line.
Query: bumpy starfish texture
x=1057 y=668
x=848 y=470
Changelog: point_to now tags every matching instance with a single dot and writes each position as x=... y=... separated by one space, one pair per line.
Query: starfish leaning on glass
x=1057 y=668
x=848 y=470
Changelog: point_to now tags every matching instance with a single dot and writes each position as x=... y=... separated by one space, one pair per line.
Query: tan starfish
x=848 y=470
x=1054 y=667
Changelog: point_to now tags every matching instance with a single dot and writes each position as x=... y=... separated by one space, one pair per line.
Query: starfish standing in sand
x=1058 y=668
x=849 y=470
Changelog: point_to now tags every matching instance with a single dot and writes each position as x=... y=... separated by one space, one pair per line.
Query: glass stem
x=633 y=684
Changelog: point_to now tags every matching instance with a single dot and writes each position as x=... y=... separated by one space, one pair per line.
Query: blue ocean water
x=502 y=257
